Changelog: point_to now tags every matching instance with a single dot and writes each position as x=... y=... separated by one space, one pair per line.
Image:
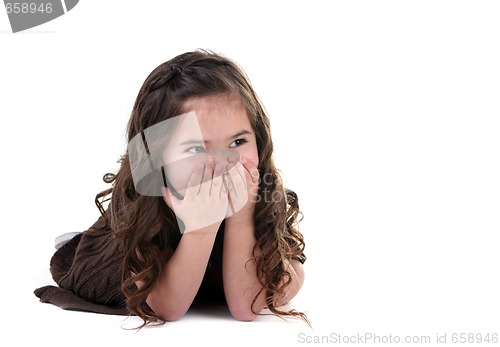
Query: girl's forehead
x=215 y=105
x=210 y=126
x=219 y=113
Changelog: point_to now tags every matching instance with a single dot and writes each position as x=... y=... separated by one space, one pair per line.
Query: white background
x=385 y=117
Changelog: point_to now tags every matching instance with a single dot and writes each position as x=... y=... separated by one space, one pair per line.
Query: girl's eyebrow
x=239 y=133
x=191 y=142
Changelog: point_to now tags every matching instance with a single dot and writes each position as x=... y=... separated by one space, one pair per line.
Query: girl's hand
x=205 y=202
x=242 y=182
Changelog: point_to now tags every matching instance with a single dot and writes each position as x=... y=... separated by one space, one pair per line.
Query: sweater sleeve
x=87 y=271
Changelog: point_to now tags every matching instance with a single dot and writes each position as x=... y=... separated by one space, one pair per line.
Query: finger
x=219 y=190
x=238 y=177
x=193 y=186
x=233 y=181
x=169 y=198
x=251 y=168
x=206 y=181
x=227 y=187
x=238 y=195
x=254 y=176
x=231 y=162
x=216 y=180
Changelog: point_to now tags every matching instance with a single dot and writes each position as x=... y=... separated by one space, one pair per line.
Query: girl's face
x=214 y=130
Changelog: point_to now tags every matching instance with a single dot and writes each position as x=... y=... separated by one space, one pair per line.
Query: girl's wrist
x=239 y=221
x=209 y=229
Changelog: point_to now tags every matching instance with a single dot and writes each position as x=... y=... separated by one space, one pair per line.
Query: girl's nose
x=226 y=158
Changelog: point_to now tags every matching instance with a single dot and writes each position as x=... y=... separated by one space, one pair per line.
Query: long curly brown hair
x=146 y=224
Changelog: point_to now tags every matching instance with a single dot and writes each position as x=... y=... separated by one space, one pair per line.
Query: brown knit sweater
x=89 y=267
x=88 y=272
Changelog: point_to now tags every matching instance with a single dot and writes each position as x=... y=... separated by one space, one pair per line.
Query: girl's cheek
x=250 y=154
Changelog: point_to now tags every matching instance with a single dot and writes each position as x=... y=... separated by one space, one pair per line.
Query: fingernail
x=217 y=169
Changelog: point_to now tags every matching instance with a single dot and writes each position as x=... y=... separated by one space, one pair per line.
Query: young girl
x=197 y=209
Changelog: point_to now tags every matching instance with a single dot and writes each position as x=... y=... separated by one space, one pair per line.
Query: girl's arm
x=182 y=275
x=202 y=210
x=241 y=284
x=239 y=272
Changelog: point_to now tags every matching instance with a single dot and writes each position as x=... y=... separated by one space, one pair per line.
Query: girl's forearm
x=182 y=274
x=239 y=273
x=297 y=276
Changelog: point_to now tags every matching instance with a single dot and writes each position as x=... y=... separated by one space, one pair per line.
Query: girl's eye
x=237 y=143
x=196 y=149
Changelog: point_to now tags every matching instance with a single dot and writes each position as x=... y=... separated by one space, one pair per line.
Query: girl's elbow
x=242 y=312
x=169 y=313
x=172 y=316
x=243 y=315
